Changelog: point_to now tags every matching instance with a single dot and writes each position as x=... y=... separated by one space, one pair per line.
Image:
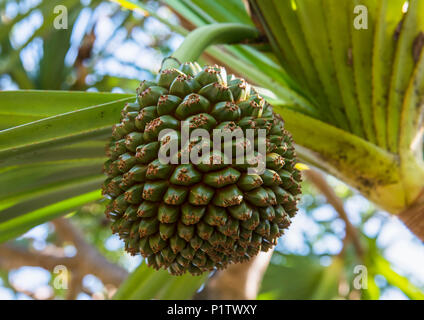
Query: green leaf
x=294 y=34
x=288 y=60
x=382 y=266
x=146 y=283
x=311 y=15
x=46 y=163
x=361 y=58
x=223 y=10
x=347 y=157
x=188 y=12
x=256 y=66
x=17 y=107
x=49 y=196
x=151 y=286
x=60 y=129
x=388 y=18
x=14 y=57
x=372 y=292
x=299 y=272
x=403 y=66
x=108 y=82
x=337 y=16
x=56 y=44
x=182 y=287
x=412 y=109
x=92 y=149
x=134 y=280
x=327 y=286
x=25 y=178
x=268 y=82
x=17 y=226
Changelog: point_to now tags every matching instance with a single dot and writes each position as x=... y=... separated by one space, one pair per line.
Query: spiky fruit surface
x=197 y=217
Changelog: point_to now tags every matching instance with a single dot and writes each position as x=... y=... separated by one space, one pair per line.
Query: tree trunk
x=239 y=281
x=413 y=217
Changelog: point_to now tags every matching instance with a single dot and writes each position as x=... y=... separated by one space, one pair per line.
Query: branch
x=413 y=217
x=13 y=257
x=351 y=233
x=88 y=259
x=75 y=286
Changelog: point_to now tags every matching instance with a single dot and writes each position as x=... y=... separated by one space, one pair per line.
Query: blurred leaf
x=220 y=10
x=182 y=287
x=146 y=283
x=108 y=82
x=131 y=5
x=56 y=44
x=327 y=287
x=17 y=226
x=373 y=291
x=292 y=277
x=382 y=266
x=48 y=18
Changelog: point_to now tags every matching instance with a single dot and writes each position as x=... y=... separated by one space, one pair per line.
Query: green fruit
x=197 y=216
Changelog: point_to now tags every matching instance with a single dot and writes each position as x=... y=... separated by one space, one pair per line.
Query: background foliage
x=108 y=48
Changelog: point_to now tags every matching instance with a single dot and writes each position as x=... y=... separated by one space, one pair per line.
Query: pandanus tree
x=367 y=86
x=347 y=77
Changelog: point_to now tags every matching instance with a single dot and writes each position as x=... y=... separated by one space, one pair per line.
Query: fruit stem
x=198 y=40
